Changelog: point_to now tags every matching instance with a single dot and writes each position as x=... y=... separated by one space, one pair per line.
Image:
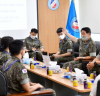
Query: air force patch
x=53 y=4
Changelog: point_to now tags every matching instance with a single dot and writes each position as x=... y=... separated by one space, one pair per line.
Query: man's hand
x=65 y=31
x=26 y=50
x=55 y=55
x=77 y=58
x=42 y=49
x=39 y=85
x=32 y=84
x=34 y=49
x=90 y=65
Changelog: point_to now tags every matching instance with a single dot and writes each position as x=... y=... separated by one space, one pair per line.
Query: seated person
x=4 y=50
x=92 y=66
x=87 y=48
x=34 y=44
x=65 y=52
x=16 y=73
x=94 y=87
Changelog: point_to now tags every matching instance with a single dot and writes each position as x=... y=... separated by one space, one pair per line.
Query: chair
x=3 y=85
x=98 y=88
x=76 y=50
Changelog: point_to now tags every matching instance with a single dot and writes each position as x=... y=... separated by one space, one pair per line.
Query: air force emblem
x=53 y=4
x=74 y=25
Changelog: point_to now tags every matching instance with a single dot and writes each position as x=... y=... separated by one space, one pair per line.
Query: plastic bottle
x=75 y=82
x=70 y=67
x=67 y=69
x=89 y=84
x=31 y=65
x=47 y=70
x=94 y=75
x=74 y=77
x=85 y=84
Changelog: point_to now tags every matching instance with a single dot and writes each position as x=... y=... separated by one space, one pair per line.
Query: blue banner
x=72 y=23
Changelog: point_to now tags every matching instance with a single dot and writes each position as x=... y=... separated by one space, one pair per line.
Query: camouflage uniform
x=97 y=69
x=16 y=75
x=33 y=43
x=85 y=49
x=64 y=47
x=4 y=56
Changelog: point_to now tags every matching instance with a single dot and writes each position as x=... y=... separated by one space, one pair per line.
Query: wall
x=88 y=15
x=49 y=21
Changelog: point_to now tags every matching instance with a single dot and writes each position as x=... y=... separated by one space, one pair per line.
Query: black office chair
x=98 y=88
x=3 y=85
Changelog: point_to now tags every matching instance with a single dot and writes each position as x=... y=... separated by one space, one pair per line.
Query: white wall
x=88 y=15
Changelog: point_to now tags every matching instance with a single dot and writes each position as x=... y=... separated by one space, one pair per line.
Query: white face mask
x=33 y=37
x=84 y=38
x=62 y=36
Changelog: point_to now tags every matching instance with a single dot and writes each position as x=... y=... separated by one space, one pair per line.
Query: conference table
x=62 y=86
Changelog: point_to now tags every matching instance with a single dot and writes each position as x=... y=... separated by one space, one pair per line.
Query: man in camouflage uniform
x=34 y=44
x=16 y=73
x=87 y=48
x=4 y=56
x=65 y=52
x=92 y=66
x=4 y=50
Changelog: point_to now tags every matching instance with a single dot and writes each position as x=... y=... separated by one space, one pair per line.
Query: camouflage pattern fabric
x=4 y=56
x=74 y=64
x=85 y=49
x=33 y=43
x=64 y=47
x=16 y=75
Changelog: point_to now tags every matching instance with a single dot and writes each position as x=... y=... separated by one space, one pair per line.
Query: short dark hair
x=34 y=30
x=87 y=29
x=59 y=30
x=15 y=47
x=5 y=42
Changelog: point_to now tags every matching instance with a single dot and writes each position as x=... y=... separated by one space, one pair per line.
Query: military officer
x=4 y=50
x=66 y=51
x=87 y=48
x=16 y=73
x=34 y=44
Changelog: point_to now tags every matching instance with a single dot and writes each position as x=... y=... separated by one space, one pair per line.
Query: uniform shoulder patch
x=24 y=71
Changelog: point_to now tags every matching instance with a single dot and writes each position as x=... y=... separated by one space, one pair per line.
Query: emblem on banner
x=74 y=24
x=53 y=4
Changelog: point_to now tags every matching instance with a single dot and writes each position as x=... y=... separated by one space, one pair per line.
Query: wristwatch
x=95 y=63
